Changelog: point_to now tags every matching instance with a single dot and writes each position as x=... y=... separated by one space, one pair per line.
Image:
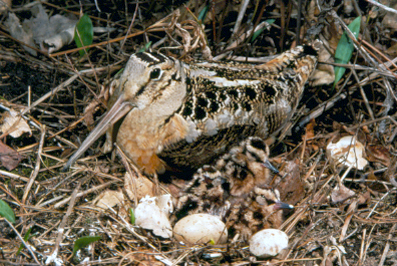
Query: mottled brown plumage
x=235 y=188
x=185 y=115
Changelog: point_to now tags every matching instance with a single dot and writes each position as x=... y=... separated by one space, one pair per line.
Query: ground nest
x=341 y=216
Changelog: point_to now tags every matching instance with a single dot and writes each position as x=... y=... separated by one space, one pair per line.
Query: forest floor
x=341 y=216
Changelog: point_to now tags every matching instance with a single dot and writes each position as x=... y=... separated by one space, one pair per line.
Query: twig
x=63 y=202
x=36 y=168
x=23 y=241
x=240 y=17
x=61 y=228
x=14 y=176
x=387 y=246
x=382 y=6
x=130 y=27
x=51 y=93
x=321 y=109
x=371 y=114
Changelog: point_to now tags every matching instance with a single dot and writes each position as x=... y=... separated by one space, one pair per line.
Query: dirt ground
x=341 y=216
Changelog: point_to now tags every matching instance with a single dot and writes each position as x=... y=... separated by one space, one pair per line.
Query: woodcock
x=184 y=115
x=236 y=189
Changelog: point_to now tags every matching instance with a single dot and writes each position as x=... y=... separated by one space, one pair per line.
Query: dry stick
x=381 y=65
x=64 y=179
x=51 y=93
x=36 y=168
x=14 y=198
x=130 y=27
x=375 y=74
x=78 y=14
x=155 y=27
x=350 y=212
x=83 y=81
x=379 y=201
x=15 y=176
x=240 y=17
x=7 y=262
x=239 y=40
x=382 y=6
x=388 y=63
x=387 y=246
x=63 y=202
x=369 y=241
x=61 y=228
x=362 y=253
x=129 y=228
x=371 y=114
x=23 y=241
x=132 y=171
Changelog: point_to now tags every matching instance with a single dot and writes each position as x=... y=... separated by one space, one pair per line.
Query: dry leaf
x=291 y=186
x=9 y=158
x=377 y=153
x=138 y=186
x=14 y=124
x=4 y=5
x=324 y=73
x=108 y=199
x=92 y=107
x=309 y=134
x=364 y=198
x=341 y=193
x=50 y=33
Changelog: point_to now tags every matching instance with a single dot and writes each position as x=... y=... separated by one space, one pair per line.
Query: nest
x=341 y=217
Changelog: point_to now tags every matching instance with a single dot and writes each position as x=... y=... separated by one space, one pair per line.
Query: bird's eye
x=155 y=74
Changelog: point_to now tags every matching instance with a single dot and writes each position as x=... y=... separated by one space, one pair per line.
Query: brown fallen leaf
x=309 y=134
x=291 y=186
x=14 y=125
x=108 y=199
x=378 y=153
x=341 y=194
x=9 y=158
x=138 y=186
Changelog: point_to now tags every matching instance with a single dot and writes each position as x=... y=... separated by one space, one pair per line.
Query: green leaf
x=25 y=238
x=132 y=215
x=258 y=32
x=6 y=211
x=203 y=13
x=345 y=49
x=146 y=47
x=85 y=30
x=83 y=242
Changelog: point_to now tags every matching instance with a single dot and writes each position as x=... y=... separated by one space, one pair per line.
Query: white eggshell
x=268 y=243
x=200 y=228
x=150 y=216
x=348 y=151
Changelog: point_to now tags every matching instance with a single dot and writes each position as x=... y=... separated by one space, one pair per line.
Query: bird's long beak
x=282 y=205
x=119 y=109
x=269 y=166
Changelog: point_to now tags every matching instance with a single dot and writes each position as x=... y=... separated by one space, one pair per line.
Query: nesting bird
x=175 y=115
x=236 y=189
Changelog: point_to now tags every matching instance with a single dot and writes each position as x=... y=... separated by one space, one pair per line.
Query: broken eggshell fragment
x=347 y=151
x=152 y=213
x=200 y=228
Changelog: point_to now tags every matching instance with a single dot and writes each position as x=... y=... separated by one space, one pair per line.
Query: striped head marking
x=149 y=81
x=149 y=78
